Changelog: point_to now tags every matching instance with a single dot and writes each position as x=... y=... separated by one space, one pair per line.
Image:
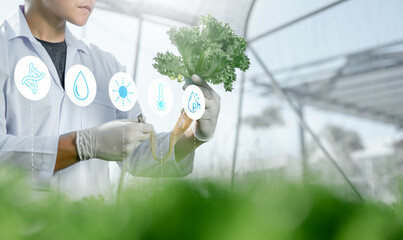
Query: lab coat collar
x=18 y=27
x=73 y=42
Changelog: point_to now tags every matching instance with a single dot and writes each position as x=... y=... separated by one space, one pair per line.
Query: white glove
x=112 y=141
x=204 y=128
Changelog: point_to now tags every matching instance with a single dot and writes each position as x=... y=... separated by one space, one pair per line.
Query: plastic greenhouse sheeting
x=185 y=11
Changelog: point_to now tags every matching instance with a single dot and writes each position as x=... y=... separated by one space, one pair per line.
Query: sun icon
x=122 y=91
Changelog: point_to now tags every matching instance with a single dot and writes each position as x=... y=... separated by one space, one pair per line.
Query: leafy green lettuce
x=211 y=50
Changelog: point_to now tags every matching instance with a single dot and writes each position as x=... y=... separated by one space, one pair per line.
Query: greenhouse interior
x=308 y=142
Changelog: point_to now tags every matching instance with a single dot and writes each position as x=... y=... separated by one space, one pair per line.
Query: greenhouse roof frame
x=303 y=90
x=367 y=85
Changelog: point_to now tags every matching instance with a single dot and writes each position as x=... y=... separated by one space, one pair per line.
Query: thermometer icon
x=160 y=101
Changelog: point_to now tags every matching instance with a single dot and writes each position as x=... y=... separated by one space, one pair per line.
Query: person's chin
x=79 y=21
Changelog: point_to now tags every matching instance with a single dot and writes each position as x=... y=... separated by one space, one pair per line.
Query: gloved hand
x=204 y=128
x=112 y=141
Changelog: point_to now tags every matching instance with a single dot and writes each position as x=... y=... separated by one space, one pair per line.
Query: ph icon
x=193 y=102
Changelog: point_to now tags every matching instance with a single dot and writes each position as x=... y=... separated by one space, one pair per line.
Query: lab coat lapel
x=19 y=28
x=72 y=58
x=43 y=54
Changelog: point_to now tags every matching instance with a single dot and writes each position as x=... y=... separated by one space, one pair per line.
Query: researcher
x=61 y=145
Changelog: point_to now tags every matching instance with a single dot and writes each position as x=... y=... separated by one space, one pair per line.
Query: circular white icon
x=194 y=102
x=32 y=78
x=160 y=97
x=80 y=85
x=122 y=91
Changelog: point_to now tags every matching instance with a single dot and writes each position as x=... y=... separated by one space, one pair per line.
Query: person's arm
x=141 y=162
x=66 y=151
x=204 y=128
x=186 y=145
x=44 y=155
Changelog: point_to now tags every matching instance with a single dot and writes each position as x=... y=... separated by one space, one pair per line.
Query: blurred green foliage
x=186 y=209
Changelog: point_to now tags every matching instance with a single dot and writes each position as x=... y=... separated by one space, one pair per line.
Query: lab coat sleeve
x=142 y=164
x=37 y=161
x=35 y=155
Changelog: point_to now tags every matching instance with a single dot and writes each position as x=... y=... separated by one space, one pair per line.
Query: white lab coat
x=55 y=115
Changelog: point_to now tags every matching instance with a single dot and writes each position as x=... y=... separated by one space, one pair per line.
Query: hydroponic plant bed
x=185 y=209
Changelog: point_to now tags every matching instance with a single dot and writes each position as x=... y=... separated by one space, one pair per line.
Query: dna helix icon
x=32 y=79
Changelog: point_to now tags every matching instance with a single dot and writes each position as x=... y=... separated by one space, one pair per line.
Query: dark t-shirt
x=57 y=52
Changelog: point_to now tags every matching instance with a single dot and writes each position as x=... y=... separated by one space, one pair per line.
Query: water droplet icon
x=80 y=87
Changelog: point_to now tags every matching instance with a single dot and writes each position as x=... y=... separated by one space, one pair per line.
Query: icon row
x=33 y=82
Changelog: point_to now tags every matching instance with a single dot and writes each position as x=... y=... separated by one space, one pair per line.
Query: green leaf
x=211 y=50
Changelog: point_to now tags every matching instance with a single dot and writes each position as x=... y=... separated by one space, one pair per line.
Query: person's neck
x=44 y=25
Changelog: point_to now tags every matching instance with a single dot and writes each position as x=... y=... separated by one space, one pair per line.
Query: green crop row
x=186 y=209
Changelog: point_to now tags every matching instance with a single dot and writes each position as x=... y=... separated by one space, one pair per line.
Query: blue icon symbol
x=193 y=103
x=32 y=79
x=123 y=92
x=80 y=87
x=160 y=101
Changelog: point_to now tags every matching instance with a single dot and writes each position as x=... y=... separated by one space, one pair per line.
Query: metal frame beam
x=292 y=22
x=384 y=103
x=335 y=58
x=349 y=83
x=381 y=104
x=388 y=93
x=304 y=157
x=137 y=54
x=303 y=123
x=349 y=109
x=276 y=87
x=240 y=105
